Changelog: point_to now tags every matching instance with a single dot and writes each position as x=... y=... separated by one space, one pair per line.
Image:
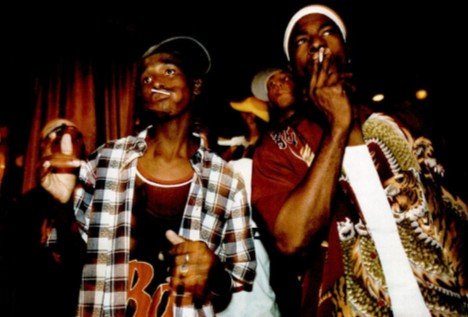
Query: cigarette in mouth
x=320 y=54
x=160 y=91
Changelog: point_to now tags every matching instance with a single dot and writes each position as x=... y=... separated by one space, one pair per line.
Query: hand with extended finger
x=193 y=262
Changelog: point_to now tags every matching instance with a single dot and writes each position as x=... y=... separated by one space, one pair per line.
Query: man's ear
x=197 y=86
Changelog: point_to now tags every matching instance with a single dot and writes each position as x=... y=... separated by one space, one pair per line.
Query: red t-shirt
x=158 y=207
x=279 y=164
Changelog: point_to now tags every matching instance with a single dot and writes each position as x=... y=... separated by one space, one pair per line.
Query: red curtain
x=97 y=96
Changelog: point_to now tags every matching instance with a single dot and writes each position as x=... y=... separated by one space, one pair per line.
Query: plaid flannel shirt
x=216 y=213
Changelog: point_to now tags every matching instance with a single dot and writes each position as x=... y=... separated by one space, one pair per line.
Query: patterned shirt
x=216 y=213
x=431 y=222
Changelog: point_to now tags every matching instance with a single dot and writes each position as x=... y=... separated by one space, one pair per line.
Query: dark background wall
x=395 y=49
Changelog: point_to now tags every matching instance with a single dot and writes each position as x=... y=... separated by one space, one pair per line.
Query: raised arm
x=307 y=208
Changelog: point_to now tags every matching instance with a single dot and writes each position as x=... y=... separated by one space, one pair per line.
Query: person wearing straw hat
x=261 y=301
x=255 y=116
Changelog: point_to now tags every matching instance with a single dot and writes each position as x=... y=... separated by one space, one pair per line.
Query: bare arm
x=307 y=209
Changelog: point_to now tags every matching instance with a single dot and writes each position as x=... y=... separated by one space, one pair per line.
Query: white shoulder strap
x=403 y=289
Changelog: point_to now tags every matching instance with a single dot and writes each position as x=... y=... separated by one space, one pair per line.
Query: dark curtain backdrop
x=97 y=95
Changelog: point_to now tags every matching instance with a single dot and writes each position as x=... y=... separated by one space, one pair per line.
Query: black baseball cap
x=193 y=55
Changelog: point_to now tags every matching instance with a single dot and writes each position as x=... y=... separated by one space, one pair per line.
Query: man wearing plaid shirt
x=135 y=193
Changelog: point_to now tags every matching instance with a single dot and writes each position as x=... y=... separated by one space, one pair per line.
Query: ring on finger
x=184 y=269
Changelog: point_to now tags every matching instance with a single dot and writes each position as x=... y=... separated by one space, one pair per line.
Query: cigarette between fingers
x=320 y=55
